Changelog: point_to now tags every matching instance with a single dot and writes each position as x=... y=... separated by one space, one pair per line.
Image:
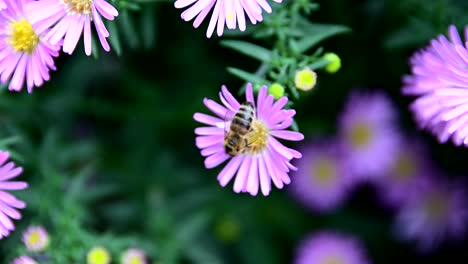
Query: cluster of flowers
x=36 y=239
x=370 y=148
x=225 y=13
x=33 y=32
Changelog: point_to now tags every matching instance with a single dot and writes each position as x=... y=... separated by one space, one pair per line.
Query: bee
x=237 y=139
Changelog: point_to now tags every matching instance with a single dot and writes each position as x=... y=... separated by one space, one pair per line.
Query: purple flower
x=225 y=12
x=440 y=82
x=367 y=129
x=266 y=159
x=69 y=19
x=2 y=4
x=36 y=238
x=8 y=202
x=330 y=247
x=408 y=171
x=23 y=260
x=437 y=212
x=23 y=52
x=323 y=182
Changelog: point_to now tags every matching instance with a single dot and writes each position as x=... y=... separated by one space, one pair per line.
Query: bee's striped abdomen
x=242 y=120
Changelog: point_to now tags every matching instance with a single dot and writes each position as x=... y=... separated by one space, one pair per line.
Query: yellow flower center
x=34 y=238
x=136 y=260
x=98 y=255
x=332 y=260
x=360 y=135
x=437 y=207
x=404 y=168
x=258 y=138
x=22 y=36
x=323 y=172
x=79 y=6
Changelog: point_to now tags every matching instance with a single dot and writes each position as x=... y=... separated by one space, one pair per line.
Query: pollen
x=22 y=37
x=79 y=6
x=258 y=138
x=360 y=135
x=324 y=172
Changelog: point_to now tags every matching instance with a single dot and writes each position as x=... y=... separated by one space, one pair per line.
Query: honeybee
x=237 y=139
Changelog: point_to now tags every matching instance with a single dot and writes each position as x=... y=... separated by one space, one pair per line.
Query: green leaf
x=128 y=30
x=114 y=37
x=317 y=33
x=148 y=28
x=247 y=76
x=249 y=49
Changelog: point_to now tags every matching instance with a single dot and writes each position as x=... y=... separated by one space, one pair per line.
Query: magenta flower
x=23 y=260
x=368 y=131
x=436 y=213
x=24 y=55
x=440 y=82
x=330 y=247
x=8 y=202
x=69 y=19
x=225 y=12
x=409 y=170
x=266 y=159
x=2 y=4
x=324 y=181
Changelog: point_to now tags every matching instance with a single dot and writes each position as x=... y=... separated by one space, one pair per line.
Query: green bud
x=277 y=90
x=334 y=62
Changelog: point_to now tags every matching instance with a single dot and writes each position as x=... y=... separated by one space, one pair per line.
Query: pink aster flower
x=225 y=12
x=266 y=159
x=330 y=247
x=24 y=54
x=368 y=131
x=440 y=82
x=323 y=182
x=133 y=256
x=438 y=212
x=69 y=19
x=8 y=203
x=36 y=238
x=23 y=260
x=2 y=4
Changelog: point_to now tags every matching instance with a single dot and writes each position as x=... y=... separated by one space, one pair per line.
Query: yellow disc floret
x=79 y=6
x=258 y=138
x=22 y=37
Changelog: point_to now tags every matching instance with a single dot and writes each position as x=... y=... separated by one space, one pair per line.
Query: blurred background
x=109 y=152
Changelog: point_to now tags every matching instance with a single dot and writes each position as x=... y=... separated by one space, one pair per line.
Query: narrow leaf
x=249 y=49
x=247 y=76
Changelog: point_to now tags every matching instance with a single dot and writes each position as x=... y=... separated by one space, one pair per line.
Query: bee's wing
x=227 y=120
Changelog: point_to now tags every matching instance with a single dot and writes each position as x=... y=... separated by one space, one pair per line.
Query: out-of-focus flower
x=36 y=238
x=264 y=159
x=8 y=203
x=305 y=79
x=323 y=182
x=98 y=255
x=440 y=82
x=334 y=62
x=69 y=19
x=277 y=90
x=25 y=55
x=328 y=247
x=225 y=12
x=23 y=260
x=437 y=212
x=409 y=170
x=367 y=129
x=2 y=4
x=133 y=256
